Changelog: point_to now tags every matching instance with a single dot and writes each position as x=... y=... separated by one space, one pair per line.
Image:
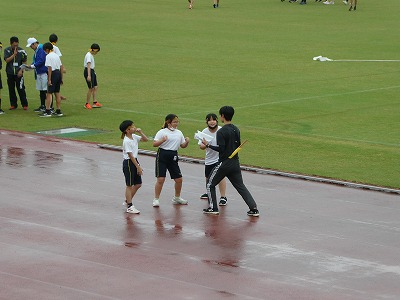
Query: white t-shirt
x=89 y=58
x=212 y=156
x=175 y=139
x=56 y=50
x=130 y=145
x=53 y=61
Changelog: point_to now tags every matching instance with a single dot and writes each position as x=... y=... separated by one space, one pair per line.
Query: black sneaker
x=210 y=211
x=222 y=201
x=204 y=196
x=253 y=213
x=40 y=109
x=58 y=113
x=45 y=114
x=1 y=111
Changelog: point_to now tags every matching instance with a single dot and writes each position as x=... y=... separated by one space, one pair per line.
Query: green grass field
x=333 y=119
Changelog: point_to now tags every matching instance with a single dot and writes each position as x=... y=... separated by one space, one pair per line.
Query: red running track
x=64 y=233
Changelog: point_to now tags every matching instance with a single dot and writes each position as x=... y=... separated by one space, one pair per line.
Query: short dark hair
x=211 y=116
x=47 y=46
x=125 y=124
x=227 y=111
x=95 y=46
x=53 y=38
x=14 y=39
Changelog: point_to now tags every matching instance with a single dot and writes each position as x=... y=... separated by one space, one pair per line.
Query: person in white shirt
x=91 y=77
x=168 y=140
x=130 y=165
x=53 y=39
x=55 y=80
x=211 y=158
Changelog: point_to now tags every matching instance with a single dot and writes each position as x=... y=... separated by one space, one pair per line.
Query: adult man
x=39 y=58
x=14 y=56
x=228 y=140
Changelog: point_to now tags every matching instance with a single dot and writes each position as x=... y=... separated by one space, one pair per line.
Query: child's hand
x=165 y=138
x=138 y=130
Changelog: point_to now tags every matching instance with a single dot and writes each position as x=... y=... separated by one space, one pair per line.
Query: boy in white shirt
x=55 y=80
x=130 y=166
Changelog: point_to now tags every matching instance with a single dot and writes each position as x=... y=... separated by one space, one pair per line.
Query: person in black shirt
x=228 y=139
x=14 y=56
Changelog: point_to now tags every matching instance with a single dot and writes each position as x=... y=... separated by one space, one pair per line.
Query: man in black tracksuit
x=228 y=139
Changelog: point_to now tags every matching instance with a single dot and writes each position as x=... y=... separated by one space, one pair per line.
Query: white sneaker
x=328 y=2
x=156 y=202
x=179 y=200
x=132 y=210
x=345 y=2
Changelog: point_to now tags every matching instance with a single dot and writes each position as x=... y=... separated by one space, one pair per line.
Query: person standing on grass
x=1 y=82
x=55 y=80
x=168 y=140
x=53 y=39
x=38 y=64
x=130 y=165
x=91 y=77
x=228 y=140
x=14 y=56
x=211 y=159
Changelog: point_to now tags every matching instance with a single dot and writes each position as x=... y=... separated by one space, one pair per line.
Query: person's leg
x=58 y=100
x=130 y=192
x=222 y=187
x=11 y=90
x=21 y=91
x=178 y=186
x=158 y=187
x=89 y=95
x=235 y=177
x=217 y=174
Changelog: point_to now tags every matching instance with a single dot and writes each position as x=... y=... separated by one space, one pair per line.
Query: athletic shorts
x=167 y=160
x=209 y=168
x=55 y=82
x=93 y=76
x=41 y=82
x=130 y=172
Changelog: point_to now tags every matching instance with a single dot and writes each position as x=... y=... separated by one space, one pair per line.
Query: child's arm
x=88 y=78
x=144 y=137
x=157 y=143
x=186 y=143
x=49 y=71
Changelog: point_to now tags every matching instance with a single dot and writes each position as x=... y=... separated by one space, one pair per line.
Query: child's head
x=171 y=121
x=47 y=47
x=53 y=38
x=227 y=112
x=95 y=48
x=212 y=120
x=125 y=125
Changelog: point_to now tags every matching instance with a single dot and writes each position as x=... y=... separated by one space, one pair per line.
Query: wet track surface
x=64 y=233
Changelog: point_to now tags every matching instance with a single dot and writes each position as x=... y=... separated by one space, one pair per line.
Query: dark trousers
x=15 y=82
x=229 y=168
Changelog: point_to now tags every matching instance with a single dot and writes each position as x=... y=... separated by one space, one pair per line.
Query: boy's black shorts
x=130 y=172
x=93 y=76
x=209 y=168
x=55 y=82
x=167 y=160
